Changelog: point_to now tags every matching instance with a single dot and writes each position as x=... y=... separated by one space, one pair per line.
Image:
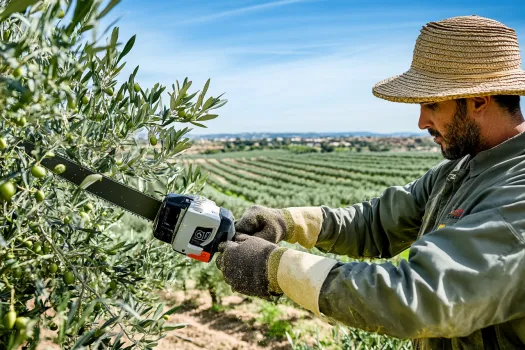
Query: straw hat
x=459 y=57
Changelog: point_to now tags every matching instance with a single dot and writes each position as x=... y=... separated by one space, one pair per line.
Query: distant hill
x=261 y=135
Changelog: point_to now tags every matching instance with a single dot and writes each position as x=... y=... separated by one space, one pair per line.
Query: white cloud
x=243 y=10
x=325 y=93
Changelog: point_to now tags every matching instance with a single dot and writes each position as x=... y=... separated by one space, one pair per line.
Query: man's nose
x=424 y=120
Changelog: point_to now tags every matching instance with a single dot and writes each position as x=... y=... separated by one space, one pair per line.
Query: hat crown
x=466 y=45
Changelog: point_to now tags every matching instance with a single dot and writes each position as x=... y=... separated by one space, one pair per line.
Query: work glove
x=249 y=265
x=294 y=225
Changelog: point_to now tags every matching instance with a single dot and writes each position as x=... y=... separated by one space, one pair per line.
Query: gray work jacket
x=463 y=286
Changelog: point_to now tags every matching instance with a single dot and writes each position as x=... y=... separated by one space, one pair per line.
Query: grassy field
x=282 y=179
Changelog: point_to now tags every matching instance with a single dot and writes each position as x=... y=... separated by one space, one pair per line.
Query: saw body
x=193 y=225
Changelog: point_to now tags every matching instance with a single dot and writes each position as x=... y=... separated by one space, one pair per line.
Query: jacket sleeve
x=457 y=279
x=381 y=227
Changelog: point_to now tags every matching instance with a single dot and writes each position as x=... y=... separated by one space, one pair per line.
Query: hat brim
x=415 y=87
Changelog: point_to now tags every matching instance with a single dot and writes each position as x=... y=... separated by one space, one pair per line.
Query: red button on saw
x=204 y=256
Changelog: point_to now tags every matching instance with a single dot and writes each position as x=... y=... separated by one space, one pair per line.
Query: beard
x=462 y=135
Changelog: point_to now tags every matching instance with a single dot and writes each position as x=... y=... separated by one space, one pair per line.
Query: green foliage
x=345 y=339
x=64 y=263
x=300 y=149
x=209 y=278
x=270 y=315
x=300 y=144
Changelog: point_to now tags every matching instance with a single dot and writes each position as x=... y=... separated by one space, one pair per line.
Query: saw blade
x=121 y=195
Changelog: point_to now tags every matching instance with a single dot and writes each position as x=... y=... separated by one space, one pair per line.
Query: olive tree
x=63 y=269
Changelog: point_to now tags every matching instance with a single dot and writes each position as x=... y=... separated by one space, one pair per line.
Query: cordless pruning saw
x=193 y=225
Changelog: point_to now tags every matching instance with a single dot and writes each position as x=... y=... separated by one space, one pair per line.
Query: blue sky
x=291 y=65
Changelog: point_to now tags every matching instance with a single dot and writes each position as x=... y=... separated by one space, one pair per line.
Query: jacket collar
x=508 y=149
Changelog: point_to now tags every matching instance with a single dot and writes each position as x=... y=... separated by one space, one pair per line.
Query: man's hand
x=249 y=265
x=273 y=225
x=294 y=225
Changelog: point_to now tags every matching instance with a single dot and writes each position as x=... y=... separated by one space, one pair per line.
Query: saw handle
x=225 y=232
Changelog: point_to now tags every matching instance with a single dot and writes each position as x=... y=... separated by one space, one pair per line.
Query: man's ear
x=478 y=105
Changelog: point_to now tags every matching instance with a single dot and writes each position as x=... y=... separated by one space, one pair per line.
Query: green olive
x=71 y=104
x=112 y=285
x=153 y=140
x=120 y=96
x=3 y=144
x=37 y=247
x=10 y=319
x=61 y=14
x=17 y=72
x=85 y=100
x=69 y=278
x=21 y=121
x=38 y=171
x=59 y=169
x=40 y=196
x=53 y=268
x=136 y=87
x=109 y=91
x=27 y=244
x=7 y=190
x=21 y=322
x=166 y=317
x=17 y=273
x=88 y=207
x=84 y=216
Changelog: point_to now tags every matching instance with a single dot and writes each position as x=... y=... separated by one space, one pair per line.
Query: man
x=464 y=220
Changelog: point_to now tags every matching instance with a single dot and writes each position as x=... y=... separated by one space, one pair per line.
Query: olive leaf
x=90 y=180
x=16 y=6
x=127 y=49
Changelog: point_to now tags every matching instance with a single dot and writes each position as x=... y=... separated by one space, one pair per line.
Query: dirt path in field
x=245 y=172
x=220 y=179
x=234 y=328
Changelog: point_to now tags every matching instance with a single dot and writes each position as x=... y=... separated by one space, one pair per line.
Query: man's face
x=453 y=129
